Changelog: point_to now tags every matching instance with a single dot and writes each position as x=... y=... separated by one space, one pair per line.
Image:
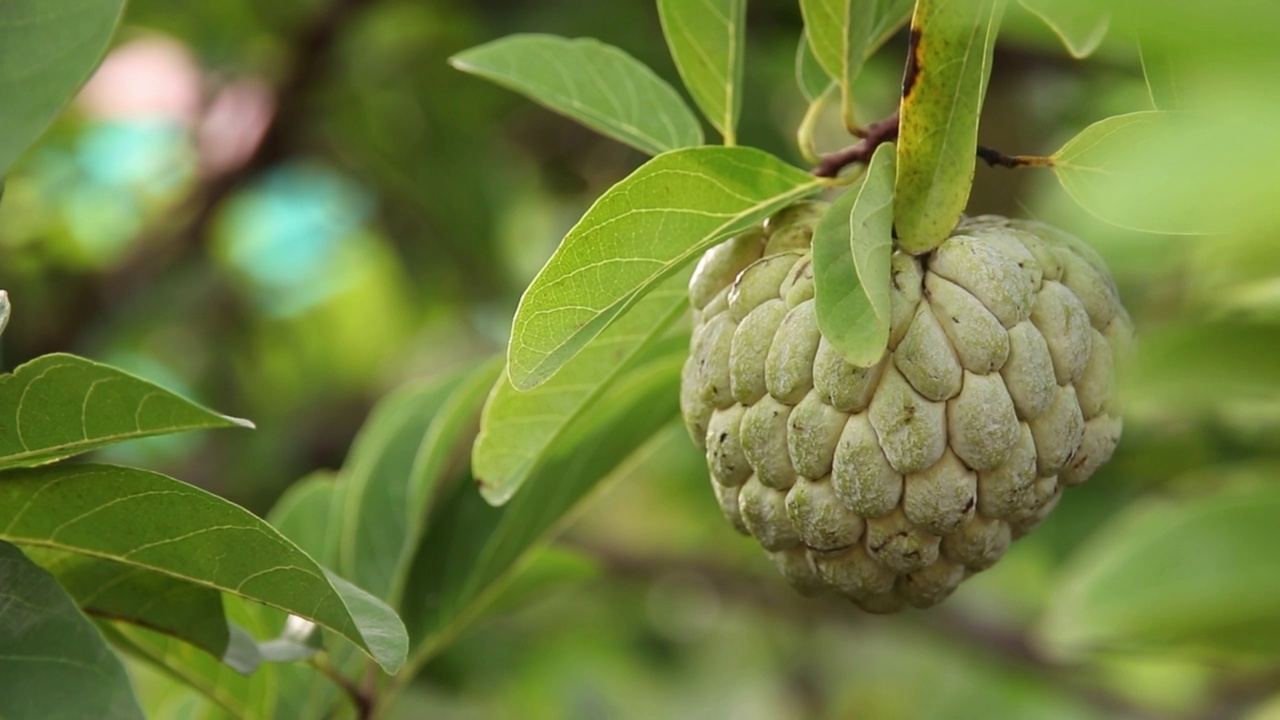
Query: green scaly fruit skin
x=891 y=484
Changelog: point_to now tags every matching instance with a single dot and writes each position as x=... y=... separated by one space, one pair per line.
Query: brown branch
x=362 y=700
x=874 y=135
x=995 y=158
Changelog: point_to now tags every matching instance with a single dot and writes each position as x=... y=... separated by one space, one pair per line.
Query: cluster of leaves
x=394 y=554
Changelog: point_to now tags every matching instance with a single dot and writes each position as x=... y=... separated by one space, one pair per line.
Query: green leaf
x=310 y=514
x=1080 y=27
x=596 y=84
x=851 y=249
x=811 y=78
x=146 y=520
x=50 y=48
x=413 y=440
x=53 y=661
x=708 y=43
x=943 y=90
x=471 y=547
x=637 y=234
x=189 y=612
x=844 y=33
x=518 y=429
x=1196 y=576
x=1199 y=367
x=1099 y=166
x=60 y=405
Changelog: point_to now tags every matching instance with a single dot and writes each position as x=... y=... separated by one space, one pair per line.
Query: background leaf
x=708 y=43
x=149 y=521
x=637 y=234
x=851 y=249
x=943 y=90
x=1196 y=576
x=1164 y=76
x=518 y=429
x=471 y=546
x=844 y=33
x=54 y=663
x=1080 y=27
x=811 y=78
x=1117 y=152
x=60 y=405
x=50 y=48
x=596 y=84
x=410 y=447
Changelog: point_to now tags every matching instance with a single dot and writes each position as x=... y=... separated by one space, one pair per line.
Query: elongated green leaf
x=844 y=33
x=596 y=84
x=53 y=661
x=149 y=521
x=60 y=405
x=641 y=231
x=49 y=49
x=811 y=78
x=1080 y=27
x=472 y=547
x=1099 y=164
x=708 y=43
x=518 y=429
x=189 y=612
x=410 y=447
x=942 y=95
x=1199 y=576
x=851 y=249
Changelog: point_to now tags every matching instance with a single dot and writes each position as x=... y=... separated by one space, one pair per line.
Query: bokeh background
x=287 y=209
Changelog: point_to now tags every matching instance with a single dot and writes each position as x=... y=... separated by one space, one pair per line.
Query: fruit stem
x=995 y=158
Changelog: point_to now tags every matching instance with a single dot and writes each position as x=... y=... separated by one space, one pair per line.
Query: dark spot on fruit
x=969 y=504
x=724 y=436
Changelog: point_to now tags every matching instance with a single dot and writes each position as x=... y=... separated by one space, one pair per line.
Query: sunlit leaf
x=60 y=405
x=851 y=249
x=155 y=523
x=641 y=231
x=50 y=47
x=1197 y=575
x=812 y=80
x=472 y=547
x=53 y=661
x=943 y=90
x=187 y=611
x=1081 y=28
x=1097 y=165
x=414 y=439
x=844 y=33
x=708 y=43
x=596 y=84
x=518 y=429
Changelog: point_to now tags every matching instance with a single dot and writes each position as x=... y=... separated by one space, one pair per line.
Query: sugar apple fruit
x=892 y=484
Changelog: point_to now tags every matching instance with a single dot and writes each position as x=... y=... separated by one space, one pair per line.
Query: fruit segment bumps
x=892 y=484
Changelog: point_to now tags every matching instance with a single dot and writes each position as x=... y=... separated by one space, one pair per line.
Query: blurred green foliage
x=394 y=210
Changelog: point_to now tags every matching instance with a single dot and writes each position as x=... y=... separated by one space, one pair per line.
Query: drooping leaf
x=844 y=33
x=708 y=43
x=409 y=446
x=811 y=78
x=146 y=520
x=596 y=84
x=1081 y=27
x=50 y=47
x=189 y=612
x=641 y=231
x=60 y=405
x=472 y=547
x=851 y=248
x=1197 y=575
x=1103 y=167
x=53 y=661
x=942 y=96
x=518 y=429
